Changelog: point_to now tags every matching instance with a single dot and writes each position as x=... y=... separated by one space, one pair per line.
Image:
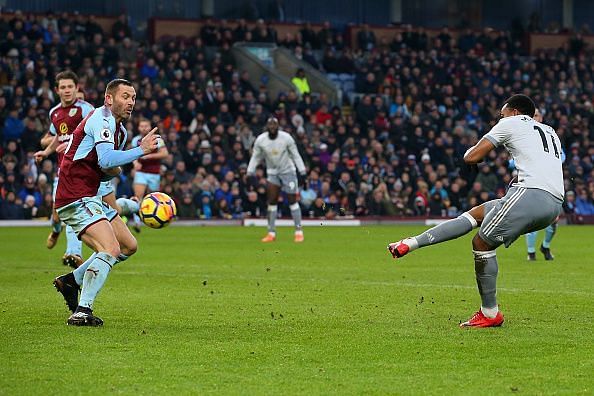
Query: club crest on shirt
x=106 y=134
x=63 y=128
x=72 y=112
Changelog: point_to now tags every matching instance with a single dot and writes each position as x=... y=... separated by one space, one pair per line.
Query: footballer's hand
x=150 y=143
x=62 y=147
x=40 y=156
x=137 y=165
x=252 y=179
x=115 y=171
x=301 y=180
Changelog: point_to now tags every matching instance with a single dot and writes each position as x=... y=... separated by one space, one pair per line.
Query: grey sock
x=485 y=267
x=447 y=230
x=296 y=213
x=272 y=211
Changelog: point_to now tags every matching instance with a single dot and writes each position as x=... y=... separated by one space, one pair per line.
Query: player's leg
x=486 y=270
x=519 y=212
x=126 y=240
x=443 y=232
x=272 y=193
x=140 y=185
x=296 y=214
x=55 y=221
x=88 y=219
x=545 y=248
x=73 y=255
x=128 y=244
x=56 y=225
x=290 y=185
x=503 y=223
x=124 y=206
x=530 y=245
x=101 y=238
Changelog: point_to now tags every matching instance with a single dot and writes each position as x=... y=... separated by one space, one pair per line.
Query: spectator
x=13 y=126
x=11 y=207
x=366 y=38
x=300 y=81
x=120 y=29
x=186 y=209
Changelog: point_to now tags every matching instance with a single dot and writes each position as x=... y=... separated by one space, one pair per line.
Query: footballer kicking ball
x=157 y=210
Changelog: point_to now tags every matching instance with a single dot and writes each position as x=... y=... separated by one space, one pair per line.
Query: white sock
x=411 y=242
x=490 y=312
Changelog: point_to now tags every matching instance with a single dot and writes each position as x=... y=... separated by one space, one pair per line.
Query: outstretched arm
x=108 y=157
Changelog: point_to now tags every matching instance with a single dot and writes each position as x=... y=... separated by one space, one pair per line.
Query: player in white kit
x=531 y=204
x=279 y=151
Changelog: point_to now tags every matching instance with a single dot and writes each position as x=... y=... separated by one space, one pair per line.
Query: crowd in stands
x=396 y=150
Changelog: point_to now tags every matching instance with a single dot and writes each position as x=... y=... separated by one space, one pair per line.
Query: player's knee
x=130 y=247
x=113 y=250
x=479 y=245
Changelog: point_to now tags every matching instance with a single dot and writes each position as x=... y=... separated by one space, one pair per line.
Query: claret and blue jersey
x=95 y=144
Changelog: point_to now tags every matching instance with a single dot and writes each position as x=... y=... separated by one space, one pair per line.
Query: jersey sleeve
x=86 y=108
x=107 y=157
x=52 y=128
x=101 y=130
x=256 y=157
x=294 y=153
x=500 y=133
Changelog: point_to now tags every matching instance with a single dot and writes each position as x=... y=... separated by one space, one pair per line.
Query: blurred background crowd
x=411 y=107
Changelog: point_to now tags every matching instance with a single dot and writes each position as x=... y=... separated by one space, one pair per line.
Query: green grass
x=212 y=310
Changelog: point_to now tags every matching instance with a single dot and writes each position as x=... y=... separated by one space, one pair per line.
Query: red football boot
x=480 y=320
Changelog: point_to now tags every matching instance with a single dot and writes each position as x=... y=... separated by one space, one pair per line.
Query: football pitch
x=212 y=310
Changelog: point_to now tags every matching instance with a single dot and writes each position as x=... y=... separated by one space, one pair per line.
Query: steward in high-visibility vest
x=300 y=82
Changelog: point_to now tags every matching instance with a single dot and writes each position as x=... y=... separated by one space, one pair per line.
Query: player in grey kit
x=279 y=151
x=532 y=203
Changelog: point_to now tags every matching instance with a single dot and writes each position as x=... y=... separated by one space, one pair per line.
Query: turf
x=212 y=310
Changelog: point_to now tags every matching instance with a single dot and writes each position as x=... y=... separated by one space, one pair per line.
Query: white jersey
x=280 y=154
x=536 y=150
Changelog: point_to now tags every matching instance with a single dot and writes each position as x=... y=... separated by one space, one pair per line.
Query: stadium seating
x=412 y=103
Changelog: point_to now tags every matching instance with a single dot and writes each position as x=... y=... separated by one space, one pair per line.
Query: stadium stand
x=412 y=102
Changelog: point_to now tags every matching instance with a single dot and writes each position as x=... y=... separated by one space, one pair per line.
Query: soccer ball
x=157 y=210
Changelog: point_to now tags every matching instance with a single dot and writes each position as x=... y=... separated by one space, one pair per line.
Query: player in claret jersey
x=64 y=118
x=148 y=168
x=531 y=203
x=95 y=153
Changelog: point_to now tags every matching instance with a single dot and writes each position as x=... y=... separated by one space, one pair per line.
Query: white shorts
x=288 y=182
x=520 y=211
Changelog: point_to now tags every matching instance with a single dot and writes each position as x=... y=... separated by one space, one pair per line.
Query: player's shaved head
x=522 y=103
